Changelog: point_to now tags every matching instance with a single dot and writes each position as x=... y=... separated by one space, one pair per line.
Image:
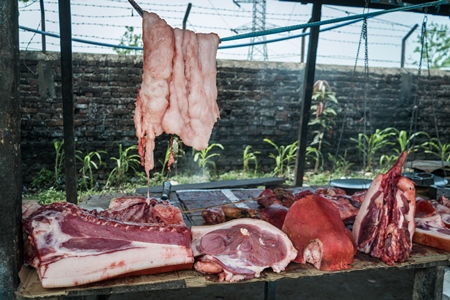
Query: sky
x=105 y=20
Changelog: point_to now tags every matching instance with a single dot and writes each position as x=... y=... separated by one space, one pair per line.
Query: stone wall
x=257 y=100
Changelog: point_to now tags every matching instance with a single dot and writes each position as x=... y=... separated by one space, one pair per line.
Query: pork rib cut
x=72 y=246
x=384 y=225
x=240 y=249
x=315 y=228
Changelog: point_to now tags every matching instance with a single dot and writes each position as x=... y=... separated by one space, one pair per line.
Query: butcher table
x=427 y=263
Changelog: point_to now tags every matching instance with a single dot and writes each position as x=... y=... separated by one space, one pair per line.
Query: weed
x=436 y=148
x=284 y=158
x=88 y=162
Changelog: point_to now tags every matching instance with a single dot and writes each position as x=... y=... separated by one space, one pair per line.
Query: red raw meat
x=139 y=209
x=213 y=215
x=274 y=214
x=240 y=249
x=72 y=246
x=315 y=228
x=385 y=225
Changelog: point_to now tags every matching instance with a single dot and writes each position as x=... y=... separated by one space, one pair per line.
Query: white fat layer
x=75 y=270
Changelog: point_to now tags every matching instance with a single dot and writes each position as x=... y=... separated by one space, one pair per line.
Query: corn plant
x=340 y=164
x=436 y=148
x=369 y=145
x=249 y=156
x=59 y=160
x=284 y=158
x=204 y=158
x=175 y=148
x=124 y=162
x=315 y=155
x=88 y=164
x=404 y=142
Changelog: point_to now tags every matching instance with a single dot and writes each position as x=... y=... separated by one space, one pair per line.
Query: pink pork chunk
x=240 y=249
x=72 y=246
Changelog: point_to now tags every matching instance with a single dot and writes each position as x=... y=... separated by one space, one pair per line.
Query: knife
x=166 y=190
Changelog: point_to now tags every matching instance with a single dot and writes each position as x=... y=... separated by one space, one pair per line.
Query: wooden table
x=428 y=263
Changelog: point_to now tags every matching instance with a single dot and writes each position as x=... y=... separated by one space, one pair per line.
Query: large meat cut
x=315 y=228
x=240 y=249
x=385 y=225
x=178 y=92
x=70 y=246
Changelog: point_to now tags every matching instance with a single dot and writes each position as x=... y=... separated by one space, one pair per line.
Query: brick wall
x=257 y=100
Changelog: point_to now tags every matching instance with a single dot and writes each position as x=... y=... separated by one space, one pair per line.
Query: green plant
x=386 y=161
x=203 y=158
x=369 y=145
x=248 y=157
x=129 y=38
x=314 y=154
x=88 y=163
x=284 y=158
x=43 y=179
x=59 y=161
x=51 y=195
x=124 y=162
x=340 y=164
x=404 y=142
x=436 y=148
x=175 y=149
x=323 y=114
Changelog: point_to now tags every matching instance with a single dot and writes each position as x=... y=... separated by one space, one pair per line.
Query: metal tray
x=351 y=183
x=423 y=179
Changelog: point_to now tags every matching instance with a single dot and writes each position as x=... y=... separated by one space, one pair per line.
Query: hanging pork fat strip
x=178 y=92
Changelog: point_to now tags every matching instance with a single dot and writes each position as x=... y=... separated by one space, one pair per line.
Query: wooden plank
x=422 y=257
x=222 y=184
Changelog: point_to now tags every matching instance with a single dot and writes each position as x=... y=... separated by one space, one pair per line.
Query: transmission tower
x=256 y=52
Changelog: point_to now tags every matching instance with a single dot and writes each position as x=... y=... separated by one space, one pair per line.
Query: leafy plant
x=44 y=179
x=284 y=158
x=404 y=142
x=249 y=156
x=369 y=145
x=129 y=38
x=203 y=158
x=323 y=114
x=51 y=195
x=88 y=162
x=438 y=46
x=386 y=161
x=315 y=155
x=436 y=148
x=340 y=164
x=175 y=149
x=59 y=161
x=124 y=162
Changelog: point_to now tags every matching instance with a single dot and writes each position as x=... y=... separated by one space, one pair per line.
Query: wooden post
x=10 y=159
x=65 y=28
x=308 y=83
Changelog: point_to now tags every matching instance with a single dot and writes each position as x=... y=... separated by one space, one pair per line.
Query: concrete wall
x=257 y=100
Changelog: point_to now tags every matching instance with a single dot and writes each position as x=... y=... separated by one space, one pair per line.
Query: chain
x=415 y=109
x=366 y=90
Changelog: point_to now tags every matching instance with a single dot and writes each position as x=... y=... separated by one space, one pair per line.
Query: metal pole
x=402 y=62
x=67 y=99
x=186 y=15
x=308 y=83
x=302 y=55
x=10 y=155
x=43 y=37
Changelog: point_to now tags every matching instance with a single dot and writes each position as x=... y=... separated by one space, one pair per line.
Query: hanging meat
x=384 y=225
x=178 y=92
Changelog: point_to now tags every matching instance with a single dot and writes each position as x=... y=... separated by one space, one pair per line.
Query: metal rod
x=402 y=63
x=67 y=99
x=308 y=82
x=186 y=15
x=44 y=46
x=137 y=7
